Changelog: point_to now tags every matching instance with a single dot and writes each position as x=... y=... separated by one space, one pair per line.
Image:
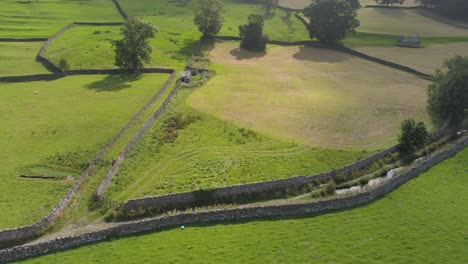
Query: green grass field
x=42 y=18
x=210 y=153
x=55 y=128
x=423 y=221
x=319 y=97
x=176 y=17
x=86 y=47
x=19 y=58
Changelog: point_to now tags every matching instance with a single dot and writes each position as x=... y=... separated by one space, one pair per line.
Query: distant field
x=314 y=96
x=19 y=58
x=90 y=47
x=423 y=221
x=42 y=18
x=55 y=128
x=404 y=21
x=209 y=153
x=300 y=4
x=176 y=17
x=425 y=59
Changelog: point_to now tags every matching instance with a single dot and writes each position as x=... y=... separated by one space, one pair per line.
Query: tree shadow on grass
x=242 y=54
x=112 y=83
x=320 y=55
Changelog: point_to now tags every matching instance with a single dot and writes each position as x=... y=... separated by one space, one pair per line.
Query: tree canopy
x=252 y=34
x=133 y=48
x=330 y=20
x=448 y=94
x=209 y=16
x=413 y=135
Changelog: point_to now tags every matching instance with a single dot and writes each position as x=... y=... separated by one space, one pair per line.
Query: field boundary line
x=120 y=9
x=23 y=39
x=223 y=215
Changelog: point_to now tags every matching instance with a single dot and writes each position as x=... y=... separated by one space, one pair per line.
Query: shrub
x=413 y=135
x=63 y=64
x=330 y=187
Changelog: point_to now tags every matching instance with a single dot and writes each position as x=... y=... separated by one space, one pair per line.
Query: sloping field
x=176 y=17
x=42 y=18
x=314 y=96
x=300 y=4
x=19 y=58
x=406 y=3
x=404 y=21
x=55 y=128
x=86 y=47
x=423 y=221
x=425 y=59
x=186 y=150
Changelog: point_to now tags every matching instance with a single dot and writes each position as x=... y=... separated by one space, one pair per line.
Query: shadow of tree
x=242 y=54
x=320 y=55
x=112 y=83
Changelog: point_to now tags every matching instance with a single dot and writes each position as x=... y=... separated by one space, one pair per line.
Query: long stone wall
x=235 y=192
x=25 y=232
x=134 y=227
x=23 y=40
x=120 y=9
x=115 y=167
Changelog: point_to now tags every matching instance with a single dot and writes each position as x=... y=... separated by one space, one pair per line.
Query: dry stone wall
x=235 y=192
x=134 y=227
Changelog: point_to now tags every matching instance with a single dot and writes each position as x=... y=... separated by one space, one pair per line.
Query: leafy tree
x=63 y=64
x=413 y=135
x=448 y=94
x=389 y=2
x=133 y=48
x=354 y=3
x=252 y=34
x=330 y=20
x=208 y=16
x=268 y=6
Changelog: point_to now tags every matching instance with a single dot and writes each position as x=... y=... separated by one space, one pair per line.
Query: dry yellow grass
x=313 y=96
x=424 y=59
x=404 y=21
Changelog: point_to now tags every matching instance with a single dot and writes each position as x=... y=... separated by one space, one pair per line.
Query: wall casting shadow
x=242 y=54
x=112 y=83
x=320 y=55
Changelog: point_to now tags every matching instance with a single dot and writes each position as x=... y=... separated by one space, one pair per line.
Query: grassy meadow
x=423 y=221
x=204 y=152
x=426 y=59
x=19 y=58
x=55 y=128
x=86 y=47
x=42 y=18
x=318 y=97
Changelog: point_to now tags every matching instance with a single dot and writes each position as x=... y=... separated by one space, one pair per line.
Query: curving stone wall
x=134 y=227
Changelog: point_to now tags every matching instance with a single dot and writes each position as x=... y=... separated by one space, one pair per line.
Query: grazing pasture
x=42 y=18
x=423 y=220
x=55 y=128
x=86 y=47
x=176 y=18
x=423 y=59
x=318 y=97
x=204 y=152
x=404 y=21
x=19 y=58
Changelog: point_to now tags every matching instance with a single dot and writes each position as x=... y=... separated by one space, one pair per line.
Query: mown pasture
x=300 y=4
x=19 y=58
x=318 y=97
x=42 y=18
x=404 y=22
x=426 y=59
x=55 y=128
x=187 y=150
x=423 y=221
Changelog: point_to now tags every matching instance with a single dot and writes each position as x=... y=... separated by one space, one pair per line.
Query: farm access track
x=23 y=233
